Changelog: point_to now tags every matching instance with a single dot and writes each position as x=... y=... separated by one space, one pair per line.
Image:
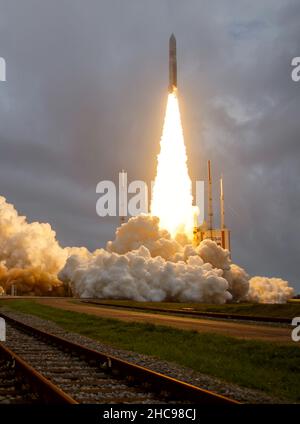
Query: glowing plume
x=172 y=199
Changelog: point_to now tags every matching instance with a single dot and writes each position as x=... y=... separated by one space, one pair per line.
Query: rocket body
x=172 y=64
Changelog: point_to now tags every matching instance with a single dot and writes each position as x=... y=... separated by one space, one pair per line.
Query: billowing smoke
x=24 y=245
x=269 y=290
x=143 y=263
x=214 y=254
x=143 y=230
x=30 y=255
x=138 y=276
x=29 y=281
x=238 y=281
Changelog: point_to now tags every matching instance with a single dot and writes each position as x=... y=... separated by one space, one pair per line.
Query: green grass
x=271 y=367
x=288 y=310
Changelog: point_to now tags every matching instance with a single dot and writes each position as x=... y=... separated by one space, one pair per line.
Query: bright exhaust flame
x=172 y=199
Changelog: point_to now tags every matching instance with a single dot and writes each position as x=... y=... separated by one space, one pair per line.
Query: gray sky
x=85 y=97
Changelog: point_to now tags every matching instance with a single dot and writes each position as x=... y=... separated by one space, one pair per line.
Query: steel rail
x=44 y=388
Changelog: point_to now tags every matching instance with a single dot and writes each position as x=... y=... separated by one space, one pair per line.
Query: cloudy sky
x=85 y=97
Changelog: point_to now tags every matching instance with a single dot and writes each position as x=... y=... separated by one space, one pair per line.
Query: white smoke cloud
x=138 y=276
x=269 y=290
x=30 y=255
x=145 y=263
x=214 y=254
x=238 y=281
x=143 y=230
x=142 y=263
x=24 y=245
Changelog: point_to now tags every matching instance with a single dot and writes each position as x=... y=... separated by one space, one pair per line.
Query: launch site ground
x=232 y=328
x=251 y=356
x=279 y=311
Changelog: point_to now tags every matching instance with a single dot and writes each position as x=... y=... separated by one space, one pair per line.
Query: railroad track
x=12 y=389
x=77 y=374
x=20 y=383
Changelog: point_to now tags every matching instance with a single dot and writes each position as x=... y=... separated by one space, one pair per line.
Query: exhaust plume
x=172 y=199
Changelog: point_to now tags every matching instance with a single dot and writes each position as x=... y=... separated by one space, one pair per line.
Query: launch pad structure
x=206 y=230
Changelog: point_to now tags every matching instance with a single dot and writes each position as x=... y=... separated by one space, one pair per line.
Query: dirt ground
x=229 y=328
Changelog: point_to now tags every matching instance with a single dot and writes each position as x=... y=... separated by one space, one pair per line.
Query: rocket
x=172 y=64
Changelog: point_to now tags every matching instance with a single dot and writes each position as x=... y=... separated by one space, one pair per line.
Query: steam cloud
x=30 y=255
x=145 y=263
x=142 y=263
x=137 y=275
x=24 y=245
x=269 y=290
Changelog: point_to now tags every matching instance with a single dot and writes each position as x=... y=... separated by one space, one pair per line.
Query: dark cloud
x=85 y=97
